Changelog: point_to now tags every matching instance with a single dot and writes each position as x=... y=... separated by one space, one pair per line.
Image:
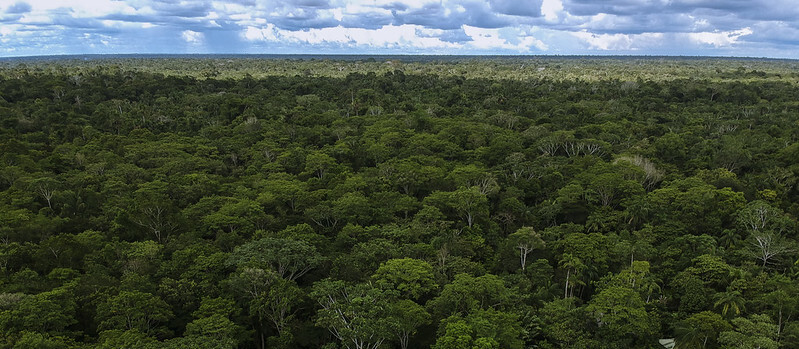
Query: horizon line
x=374 y=55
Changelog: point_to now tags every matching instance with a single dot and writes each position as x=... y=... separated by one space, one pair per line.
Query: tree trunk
x=566 y=290
x=263 y=342
x=523 y=257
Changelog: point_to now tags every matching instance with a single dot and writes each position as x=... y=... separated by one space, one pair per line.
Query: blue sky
x=753 y=28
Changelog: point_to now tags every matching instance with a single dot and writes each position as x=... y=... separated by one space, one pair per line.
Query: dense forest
x=506 y=203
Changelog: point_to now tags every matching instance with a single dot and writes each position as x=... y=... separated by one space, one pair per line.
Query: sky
x=741 y=28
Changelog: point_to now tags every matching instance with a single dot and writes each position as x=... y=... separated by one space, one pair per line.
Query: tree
x=457 y=334
x=154 y=210
x=732 y=153
x=699 y=330
x=289 y=258
x=318 y=163
x=693 y=206
x=759 y=216
x=412 y=174
x=638 y=277
x=47 y=312
x=406 y=316
x=526 y=240
x=565 y=324
x=45 y=187
x=468 y=203
x=412 y=278
x=352 y=207
x=468 y=176
x=193 y=342
x=356 y=314
x=140 y=257
x=754 y=332
x=781 y=298
x=731 y=302
x=112 y=339
x=215 y=326
x=621 y=316
x=34 y=340
x=213 y=320
x=651 y=174
x=467 y=293
x=766 y=226
x=481 y=329
x=277 y=303
x=767 y=246
x=391 y=203
x=284 y=193
x=269 y=297
x=237 y=214
x=133 y=310
x=609 y=188
x=573 y=266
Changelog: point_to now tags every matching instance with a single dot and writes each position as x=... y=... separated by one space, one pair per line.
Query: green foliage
x=448 y=202
x=482 y=329
x=289 y=258
x=33 y=340
x=525 y=240
x=755 y=331
x=467 y=293
x=133 y=310
x=700 y=330
x=406 y=317
x=356 y=314
x=621 y=316
x=123 y=339
x=412 y=278
x=565 y=325
x=47 y=312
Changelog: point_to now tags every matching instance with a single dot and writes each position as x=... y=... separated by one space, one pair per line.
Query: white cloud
x=720 y=39
x=390 y=36
x=90 y=8
x=9 y=30
x=552 y=9
x=192 y=37
x=489 y=39
x=269 y=33
x=404 y=36
x=619 y=42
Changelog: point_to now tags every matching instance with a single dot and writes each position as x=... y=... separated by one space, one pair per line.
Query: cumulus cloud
x=267 y=33
x=740 y=27
x=19 y=7
x=615 y=7
x=504 y=39
x=720 y=39
x=517 y=8
x=404 y=36
x=619 y=42
x=192 y=37
x=453 y=35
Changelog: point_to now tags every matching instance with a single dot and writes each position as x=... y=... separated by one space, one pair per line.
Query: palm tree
x=688 y=337
x=730 y=302
x=573 y=265
x=699 y=329
x=650 y=285
x=729 y=239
